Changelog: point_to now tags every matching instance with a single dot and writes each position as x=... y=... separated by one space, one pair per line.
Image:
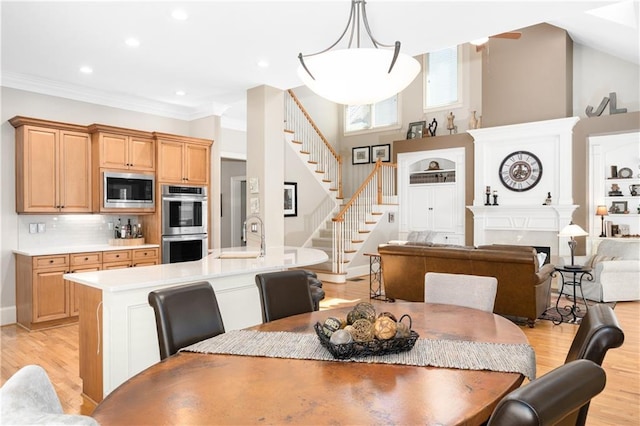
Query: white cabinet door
x=432 y=208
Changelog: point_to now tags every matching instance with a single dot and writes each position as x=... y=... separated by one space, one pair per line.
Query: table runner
x=502 y=357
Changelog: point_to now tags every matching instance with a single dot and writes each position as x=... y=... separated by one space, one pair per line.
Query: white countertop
x=277 y=258
x=45 y=251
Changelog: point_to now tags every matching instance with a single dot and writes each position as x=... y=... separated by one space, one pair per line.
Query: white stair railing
x=313 y=142
x=351 y=222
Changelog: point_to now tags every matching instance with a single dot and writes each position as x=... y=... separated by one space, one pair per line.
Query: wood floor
x=57 y=351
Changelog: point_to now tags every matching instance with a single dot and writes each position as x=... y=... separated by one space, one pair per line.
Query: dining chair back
x=471 y=291
x=185 y=315
x=283 y=294
x=598 y=332
x=552 y=399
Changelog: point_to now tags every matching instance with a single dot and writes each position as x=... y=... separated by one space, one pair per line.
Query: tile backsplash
x=68 y=230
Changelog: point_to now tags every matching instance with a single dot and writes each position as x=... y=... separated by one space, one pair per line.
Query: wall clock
x=520 y=171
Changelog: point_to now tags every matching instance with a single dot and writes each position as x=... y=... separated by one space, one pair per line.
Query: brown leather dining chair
x=471 y=291
x=283 y=294
x=552 y=399
x=598 y=332
x=185 y=315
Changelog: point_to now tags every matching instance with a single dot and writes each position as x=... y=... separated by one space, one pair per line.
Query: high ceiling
x=213 y=55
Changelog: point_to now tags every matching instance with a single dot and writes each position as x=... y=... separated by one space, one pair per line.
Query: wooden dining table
x=203 y=388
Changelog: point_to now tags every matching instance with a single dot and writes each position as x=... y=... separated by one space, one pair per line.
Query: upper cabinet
x=123 y=149
x=183 y=160
x=53 y=167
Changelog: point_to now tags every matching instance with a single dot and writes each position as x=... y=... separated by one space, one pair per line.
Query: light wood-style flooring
x=57 y=351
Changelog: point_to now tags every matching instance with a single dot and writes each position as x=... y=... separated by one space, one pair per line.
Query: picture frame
x=383 y=152
x=415 y=129
x=618 y=207
x=361 y=155
x=290 y=199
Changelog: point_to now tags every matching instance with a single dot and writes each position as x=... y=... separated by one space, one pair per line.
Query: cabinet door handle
x=86 y=258
x=50 y=260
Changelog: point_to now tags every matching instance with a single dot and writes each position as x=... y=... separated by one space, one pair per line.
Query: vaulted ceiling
x=223 y=48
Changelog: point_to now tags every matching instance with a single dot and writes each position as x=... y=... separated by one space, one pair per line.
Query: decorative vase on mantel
x=473 y=121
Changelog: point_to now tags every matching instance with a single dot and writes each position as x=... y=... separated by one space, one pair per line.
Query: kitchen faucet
x=263 y=250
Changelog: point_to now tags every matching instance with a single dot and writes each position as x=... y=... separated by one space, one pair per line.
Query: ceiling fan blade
x=513 y=35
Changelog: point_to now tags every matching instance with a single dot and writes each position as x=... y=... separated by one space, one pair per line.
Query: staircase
x=347 y=226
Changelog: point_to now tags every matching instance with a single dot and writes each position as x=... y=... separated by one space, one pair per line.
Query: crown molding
x=110 y=99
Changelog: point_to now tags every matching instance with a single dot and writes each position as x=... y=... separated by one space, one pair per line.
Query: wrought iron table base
x=572 y=311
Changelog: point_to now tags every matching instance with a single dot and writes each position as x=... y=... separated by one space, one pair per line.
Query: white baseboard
x=8 y=315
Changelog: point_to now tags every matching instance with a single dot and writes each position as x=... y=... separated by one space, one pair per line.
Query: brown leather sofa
x=523 y=290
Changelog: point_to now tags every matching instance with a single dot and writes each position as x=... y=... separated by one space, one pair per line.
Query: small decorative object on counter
x=366 y=334
x=615 y=190
x=547 y=201
x=473 y=121
x=495 y=198
x=614 y=172
x=432 y=127
x=488 y=194
x=452 y=128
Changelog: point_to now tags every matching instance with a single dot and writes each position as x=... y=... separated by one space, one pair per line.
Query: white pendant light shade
x=358 y=76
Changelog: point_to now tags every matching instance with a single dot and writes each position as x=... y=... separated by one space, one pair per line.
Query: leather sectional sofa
x=523 y=287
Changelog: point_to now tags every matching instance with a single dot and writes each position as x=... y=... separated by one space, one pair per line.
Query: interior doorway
x=238 y=209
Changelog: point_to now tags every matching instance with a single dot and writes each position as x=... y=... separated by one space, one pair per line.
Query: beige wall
x=529 y=79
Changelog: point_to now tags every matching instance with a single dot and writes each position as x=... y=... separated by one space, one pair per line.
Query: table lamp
x=572 y=230
x=602 y=212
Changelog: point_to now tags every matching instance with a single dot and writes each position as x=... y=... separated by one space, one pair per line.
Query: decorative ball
x=349 y=329
x=330 y=325
x=402 y=330
x=384 y=328
x=388 y=314
x=367 y=311
x=362 y=331
x=341 y=336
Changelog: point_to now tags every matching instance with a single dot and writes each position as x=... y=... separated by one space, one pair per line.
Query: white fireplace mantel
x=522 y=225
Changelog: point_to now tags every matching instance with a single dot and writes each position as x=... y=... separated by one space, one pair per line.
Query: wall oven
x=184 y=223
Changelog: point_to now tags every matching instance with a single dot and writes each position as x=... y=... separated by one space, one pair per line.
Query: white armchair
x=28 y=398
x=616 y=271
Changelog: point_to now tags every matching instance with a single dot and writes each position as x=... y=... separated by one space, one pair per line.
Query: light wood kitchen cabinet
x=183 y=160
x=122 y=149
x=81 y=262
x=53 y=167
x=145 y=257
x=42 y=294
x=45 y=299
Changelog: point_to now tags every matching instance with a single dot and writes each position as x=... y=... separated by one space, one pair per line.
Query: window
x=381 y=115
x=443 y=79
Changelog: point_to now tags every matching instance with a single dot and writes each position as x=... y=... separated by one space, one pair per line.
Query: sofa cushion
x=421 y=236
x=597 y=258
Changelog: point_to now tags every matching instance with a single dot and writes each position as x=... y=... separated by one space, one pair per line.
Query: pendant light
x=357 y=76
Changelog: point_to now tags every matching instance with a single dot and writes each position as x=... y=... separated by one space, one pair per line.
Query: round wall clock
x=520 y=171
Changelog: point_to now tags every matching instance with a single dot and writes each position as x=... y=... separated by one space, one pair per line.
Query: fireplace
x=524 y=217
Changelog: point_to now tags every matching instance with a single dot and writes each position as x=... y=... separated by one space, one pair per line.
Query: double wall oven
x=184 y=223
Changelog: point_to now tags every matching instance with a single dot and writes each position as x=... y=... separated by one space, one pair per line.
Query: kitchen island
x=118 y=336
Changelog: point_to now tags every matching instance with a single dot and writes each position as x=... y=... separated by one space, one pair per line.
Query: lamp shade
x=602 y=211
x=572 y=230
x=358 y=76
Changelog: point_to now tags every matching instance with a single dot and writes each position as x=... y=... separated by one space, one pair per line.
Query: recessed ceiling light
x=132 y=42
x=179 y=14
x=86 y=70
x=263 y=64
x=180 y=92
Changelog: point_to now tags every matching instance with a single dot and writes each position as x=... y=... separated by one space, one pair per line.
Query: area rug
x=552 y=314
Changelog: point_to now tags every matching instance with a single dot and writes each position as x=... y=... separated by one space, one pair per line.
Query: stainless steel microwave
x=128 y=190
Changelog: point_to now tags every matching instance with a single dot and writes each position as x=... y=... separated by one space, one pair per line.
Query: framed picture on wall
x=360 y=155
x=290 y=199
x=383 y=152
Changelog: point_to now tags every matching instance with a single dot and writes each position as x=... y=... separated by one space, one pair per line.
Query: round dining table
x=209 y=389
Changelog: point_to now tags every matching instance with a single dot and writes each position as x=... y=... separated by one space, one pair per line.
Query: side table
x=572 y=277
x=375 y=277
